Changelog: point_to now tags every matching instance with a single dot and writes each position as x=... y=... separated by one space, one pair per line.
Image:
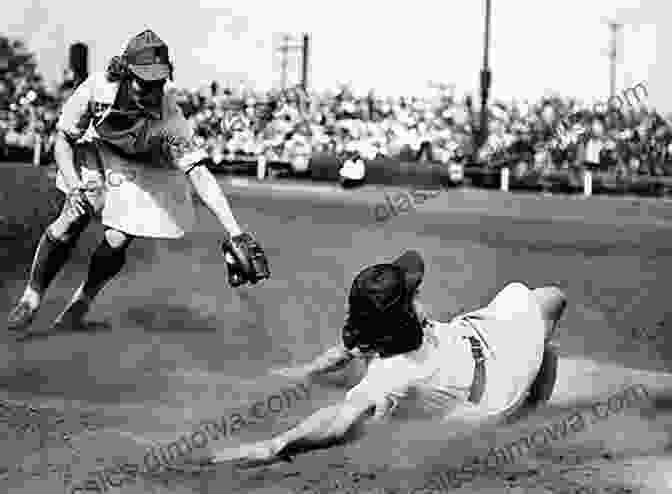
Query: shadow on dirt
x=169 y=318
x=398 y=455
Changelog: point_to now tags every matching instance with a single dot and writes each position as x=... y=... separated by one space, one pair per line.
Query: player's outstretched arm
x=181 y=148
x=245 y=258
x=326 y=427
x=213 y=197
x=335 y=358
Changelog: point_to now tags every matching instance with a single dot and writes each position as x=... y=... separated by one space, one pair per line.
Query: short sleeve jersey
x=92 y=101
x=436 y=377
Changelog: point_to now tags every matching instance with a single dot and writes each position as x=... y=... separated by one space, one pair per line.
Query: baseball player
x=128 y=157
x=481 y=365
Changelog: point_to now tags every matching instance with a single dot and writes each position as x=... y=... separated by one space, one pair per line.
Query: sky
x=537 y=46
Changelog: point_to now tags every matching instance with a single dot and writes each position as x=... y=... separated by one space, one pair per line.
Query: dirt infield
x=178 y=347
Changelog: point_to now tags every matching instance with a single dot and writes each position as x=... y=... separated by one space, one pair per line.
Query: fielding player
x=127 y=157
x=481 y=365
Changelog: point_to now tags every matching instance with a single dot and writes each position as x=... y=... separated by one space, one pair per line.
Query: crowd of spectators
x=551 y=134
x=289 y=126
x=564 y=134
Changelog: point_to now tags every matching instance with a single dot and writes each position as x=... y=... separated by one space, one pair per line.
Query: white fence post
x=37 y=150
x=505 y=179
x=587 y=183
x=261 y=167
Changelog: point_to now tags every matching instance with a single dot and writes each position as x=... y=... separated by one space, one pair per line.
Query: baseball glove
x=245 y=260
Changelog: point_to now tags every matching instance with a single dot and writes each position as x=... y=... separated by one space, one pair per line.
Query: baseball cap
x=381 y=286
x=147 y=56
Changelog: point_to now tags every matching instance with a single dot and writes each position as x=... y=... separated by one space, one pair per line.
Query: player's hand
x=76 y=199
x=243 y=456
x=297 y=372
x=251 y=455
x=335 y=358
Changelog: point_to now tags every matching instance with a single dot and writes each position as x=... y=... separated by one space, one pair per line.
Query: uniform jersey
x=437 y=377
x=92 y=101
x=140 y=197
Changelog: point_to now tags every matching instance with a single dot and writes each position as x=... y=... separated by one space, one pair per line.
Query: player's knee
x=552 y=301
x=517 y=286
x=116 y=239
x=67 y=228
x=58 y=232
x=515 y=291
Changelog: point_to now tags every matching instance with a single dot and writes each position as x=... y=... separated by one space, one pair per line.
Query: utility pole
x=615 y=28
x=284 y=52
x=305 y=56
x=486 y=78
x=285 y=48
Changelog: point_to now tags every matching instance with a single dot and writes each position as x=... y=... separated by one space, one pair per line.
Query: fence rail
x=571 y=181
x=400 y=172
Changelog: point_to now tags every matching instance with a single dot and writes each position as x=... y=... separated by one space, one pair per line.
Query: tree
x=18 y=69
x=13 y=54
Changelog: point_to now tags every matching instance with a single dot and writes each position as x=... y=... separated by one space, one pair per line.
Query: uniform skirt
x=136 y=198
x=513 y=329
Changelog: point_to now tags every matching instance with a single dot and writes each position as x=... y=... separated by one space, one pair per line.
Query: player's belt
x=478 y=384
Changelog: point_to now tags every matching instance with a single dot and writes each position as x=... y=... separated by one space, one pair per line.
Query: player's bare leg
x=106 y=262
x=553 y=304
x=53 y=252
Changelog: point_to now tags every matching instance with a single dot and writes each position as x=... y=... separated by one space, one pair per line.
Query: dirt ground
x=174 y=345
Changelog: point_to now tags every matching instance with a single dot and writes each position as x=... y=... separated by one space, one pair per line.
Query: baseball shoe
x=21 y=316
x=72 y=317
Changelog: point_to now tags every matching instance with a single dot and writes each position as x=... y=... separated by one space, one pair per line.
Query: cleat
x=21 y=317
x=72 y=318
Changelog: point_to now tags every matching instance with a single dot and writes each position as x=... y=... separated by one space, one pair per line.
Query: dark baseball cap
x=147 y=56
x=380 y=287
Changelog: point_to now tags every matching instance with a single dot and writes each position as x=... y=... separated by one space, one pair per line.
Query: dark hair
x=392 y=332
x=117 y=70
